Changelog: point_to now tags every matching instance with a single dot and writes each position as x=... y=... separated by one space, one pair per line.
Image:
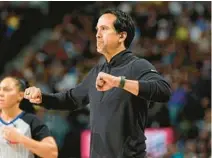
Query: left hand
x=11 y=134
x=106 y=81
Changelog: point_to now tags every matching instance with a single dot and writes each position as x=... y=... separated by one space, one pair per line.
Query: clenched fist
x=106 y=81
x=33 y=94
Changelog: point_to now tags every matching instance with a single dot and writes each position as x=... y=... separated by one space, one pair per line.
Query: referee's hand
x=33 y=94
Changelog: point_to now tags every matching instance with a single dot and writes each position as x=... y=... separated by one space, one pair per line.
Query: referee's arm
x=45 y=148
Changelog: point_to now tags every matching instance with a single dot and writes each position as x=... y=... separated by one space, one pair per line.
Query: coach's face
x=107 y=37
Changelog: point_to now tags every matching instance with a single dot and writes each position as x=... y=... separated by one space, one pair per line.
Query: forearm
x=155 y=90
x=59 y=101
x=42 y=149
x=131 y=86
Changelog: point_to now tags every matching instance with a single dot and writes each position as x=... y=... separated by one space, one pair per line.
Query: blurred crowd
x=174 y=36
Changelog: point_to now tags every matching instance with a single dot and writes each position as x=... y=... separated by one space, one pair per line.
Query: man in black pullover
x=119 y=92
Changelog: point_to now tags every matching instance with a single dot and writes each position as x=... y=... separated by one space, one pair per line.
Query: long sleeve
x=152 y=86
x=72 y=99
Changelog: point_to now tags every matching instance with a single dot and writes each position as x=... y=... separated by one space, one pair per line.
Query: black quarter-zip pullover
x=118 y=117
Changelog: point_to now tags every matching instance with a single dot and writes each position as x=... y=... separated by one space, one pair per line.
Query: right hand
x=33 y=94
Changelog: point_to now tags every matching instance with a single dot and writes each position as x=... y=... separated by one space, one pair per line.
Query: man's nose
x=98 y=34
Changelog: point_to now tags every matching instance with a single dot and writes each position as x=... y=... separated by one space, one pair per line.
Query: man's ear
x=123 y=36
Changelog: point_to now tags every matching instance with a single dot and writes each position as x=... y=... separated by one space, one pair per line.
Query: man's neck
x=110 y=55
x=8 y=114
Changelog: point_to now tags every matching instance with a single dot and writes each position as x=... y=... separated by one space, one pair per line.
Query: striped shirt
x=28 y=125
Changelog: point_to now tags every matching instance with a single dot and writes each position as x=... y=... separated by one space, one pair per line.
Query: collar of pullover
x=119 y=58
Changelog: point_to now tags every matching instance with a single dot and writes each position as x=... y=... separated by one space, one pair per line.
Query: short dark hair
x=123 y=23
